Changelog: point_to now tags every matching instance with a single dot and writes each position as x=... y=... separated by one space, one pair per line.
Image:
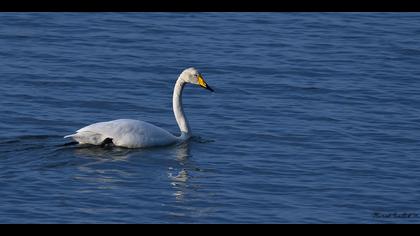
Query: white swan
x=139 y=134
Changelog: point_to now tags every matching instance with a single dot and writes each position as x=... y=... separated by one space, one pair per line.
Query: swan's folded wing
x=87 y=137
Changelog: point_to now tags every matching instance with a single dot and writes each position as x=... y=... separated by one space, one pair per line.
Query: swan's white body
x=139 y=134
x=125 y=133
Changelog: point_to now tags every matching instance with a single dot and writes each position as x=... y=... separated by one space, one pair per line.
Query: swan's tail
x=69 y=136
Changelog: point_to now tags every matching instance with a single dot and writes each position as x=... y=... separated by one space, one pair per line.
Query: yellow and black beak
x=203 y=83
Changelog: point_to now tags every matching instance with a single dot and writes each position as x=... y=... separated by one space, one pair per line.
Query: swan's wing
x=124 y=132
x=94 y=134
x=87 y=137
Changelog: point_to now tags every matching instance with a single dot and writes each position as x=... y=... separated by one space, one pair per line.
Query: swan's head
x=193 y=76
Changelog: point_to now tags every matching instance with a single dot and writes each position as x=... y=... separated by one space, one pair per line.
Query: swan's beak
x=203 y=83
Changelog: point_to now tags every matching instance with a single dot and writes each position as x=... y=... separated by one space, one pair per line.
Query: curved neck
x=179 y=111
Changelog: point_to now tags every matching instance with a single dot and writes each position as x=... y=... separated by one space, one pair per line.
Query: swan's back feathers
x=125 y=133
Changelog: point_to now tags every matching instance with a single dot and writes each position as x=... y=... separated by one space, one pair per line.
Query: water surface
x=315 y=118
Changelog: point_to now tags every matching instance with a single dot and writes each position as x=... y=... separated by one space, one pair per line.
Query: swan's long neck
x=179 y=111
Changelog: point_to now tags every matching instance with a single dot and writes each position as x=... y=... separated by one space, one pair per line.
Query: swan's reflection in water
x=108 y=166
x=101 y=168
x=179 y=178
x=101 y=153
x=137 y=174
x=184 y=189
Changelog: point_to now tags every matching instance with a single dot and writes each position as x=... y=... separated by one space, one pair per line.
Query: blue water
x=315 y=119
